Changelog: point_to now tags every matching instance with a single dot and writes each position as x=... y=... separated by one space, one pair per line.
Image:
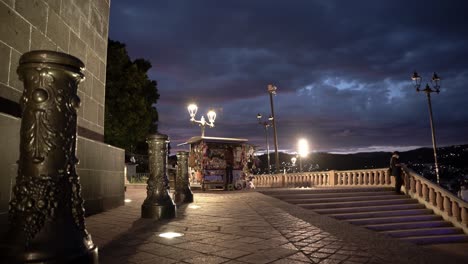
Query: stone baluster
x=447 y=204
x=425 y=192
x=456 y=210
x=432 y=196
x=464 y=216
x=388 y=178
x=158 y=203
x=439 y=201
x=46 y=215
x=182 y=191
x=418 y=188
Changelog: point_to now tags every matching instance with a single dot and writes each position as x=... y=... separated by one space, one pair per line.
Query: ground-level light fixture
x=170 y=234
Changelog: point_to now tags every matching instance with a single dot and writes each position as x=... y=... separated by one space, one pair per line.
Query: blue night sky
x=342 y=68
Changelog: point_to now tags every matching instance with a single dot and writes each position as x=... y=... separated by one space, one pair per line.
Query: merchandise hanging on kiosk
x=210 y=156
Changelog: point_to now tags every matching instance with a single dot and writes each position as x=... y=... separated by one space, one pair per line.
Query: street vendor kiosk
x=216 y=162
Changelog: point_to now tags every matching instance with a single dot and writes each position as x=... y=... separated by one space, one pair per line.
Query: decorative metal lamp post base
x=46 y=215
x=183 y=193
x=158 y=203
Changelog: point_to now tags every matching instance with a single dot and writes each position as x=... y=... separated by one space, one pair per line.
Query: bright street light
x=303 y=150
x=192 y=109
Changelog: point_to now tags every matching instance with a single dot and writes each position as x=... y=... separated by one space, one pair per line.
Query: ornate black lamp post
x=266 y=124
x=428 y=90
x=272 y=91
x=182 y=193
x=158 y=203
x=46 y=215
x=192 y=109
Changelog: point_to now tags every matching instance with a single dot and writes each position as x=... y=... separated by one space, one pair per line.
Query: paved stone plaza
x=246 y=227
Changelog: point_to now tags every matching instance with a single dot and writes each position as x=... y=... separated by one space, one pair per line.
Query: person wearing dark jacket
x=395 y=167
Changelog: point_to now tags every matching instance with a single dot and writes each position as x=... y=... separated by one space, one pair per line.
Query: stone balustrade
x=349 y=178
x=441 y=201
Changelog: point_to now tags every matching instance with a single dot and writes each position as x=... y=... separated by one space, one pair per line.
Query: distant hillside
x=453 y=156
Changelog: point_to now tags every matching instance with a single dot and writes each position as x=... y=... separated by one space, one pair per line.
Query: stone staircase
x=378 y=209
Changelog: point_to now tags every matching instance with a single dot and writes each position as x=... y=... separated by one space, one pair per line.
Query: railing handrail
x=439 y=200
x=433 y=185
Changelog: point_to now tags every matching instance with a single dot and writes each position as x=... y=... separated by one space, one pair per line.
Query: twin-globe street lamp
x=266 y=124
x=192 y=109
x=428 y=90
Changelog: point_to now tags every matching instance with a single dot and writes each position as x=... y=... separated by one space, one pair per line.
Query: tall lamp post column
x=272 y=91
x=428 y=90
x=266 y=125
x=192 y=109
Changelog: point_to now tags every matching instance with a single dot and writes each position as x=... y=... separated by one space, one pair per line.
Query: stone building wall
x=79 y=28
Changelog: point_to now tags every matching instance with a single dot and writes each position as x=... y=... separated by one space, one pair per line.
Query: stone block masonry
x=75 y=27
x=79 y=28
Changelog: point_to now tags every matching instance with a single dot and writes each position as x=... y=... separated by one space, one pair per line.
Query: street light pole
x=266 y=124
x=272 y=91
x=428 y=90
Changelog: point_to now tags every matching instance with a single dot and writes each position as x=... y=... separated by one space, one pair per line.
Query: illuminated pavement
x=246 y=227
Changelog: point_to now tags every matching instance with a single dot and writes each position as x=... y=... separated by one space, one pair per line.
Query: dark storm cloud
x=341 y=67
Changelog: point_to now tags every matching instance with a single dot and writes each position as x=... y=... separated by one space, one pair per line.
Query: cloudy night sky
x=342 y=68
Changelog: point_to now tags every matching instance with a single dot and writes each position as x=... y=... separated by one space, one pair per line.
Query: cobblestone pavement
x=244 y=227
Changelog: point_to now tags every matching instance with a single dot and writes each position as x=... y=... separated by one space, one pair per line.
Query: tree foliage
x=130 y=113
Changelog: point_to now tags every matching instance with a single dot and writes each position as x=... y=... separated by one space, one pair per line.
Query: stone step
x=423 y=232
x=439 y=239
x=295 y=200
x=407 y=225
x=394 y=219
x=306 y=195
x=370 y=208
x=357 y=203
x=373 y=214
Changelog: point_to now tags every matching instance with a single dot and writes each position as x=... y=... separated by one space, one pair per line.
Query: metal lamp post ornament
x=158 y=203
x=428 y=90
x=192 y=109
x=182 y=191
x=46 y=215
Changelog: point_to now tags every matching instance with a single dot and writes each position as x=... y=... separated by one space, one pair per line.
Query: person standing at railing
x=463 y=193
x=395 y=166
